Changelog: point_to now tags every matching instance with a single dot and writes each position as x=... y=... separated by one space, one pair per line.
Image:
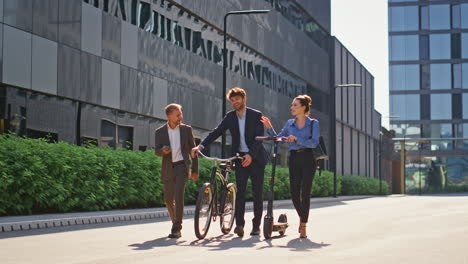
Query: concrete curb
x=22 y=223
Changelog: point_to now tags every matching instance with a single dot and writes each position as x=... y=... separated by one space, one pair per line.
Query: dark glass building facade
x=101 y=71
x=428 y=53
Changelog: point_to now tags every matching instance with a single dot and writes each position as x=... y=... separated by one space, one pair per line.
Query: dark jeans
x=302 y=167
x=256 y=173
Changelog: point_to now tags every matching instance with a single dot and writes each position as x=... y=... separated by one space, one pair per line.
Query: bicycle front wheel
x=229 y=210
x=203 y=211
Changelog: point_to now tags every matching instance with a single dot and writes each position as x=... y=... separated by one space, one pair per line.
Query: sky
x=362 y=26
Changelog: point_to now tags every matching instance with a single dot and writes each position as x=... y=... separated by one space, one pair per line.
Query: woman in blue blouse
x=302 y=133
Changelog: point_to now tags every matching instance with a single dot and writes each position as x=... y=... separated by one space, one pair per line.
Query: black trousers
x=302 y=167
x=256 y=173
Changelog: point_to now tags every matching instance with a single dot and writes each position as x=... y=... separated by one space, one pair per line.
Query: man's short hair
x=171 y=107
x=236 y=91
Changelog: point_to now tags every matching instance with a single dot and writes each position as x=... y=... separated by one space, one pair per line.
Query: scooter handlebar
x=271 y=138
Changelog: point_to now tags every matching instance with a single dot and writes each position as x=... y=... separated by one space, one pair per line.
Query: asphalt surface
x=394 y=229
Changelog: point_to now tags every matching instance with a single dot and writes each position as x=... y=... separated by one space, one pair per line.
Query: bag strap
x=312 y=136
x=312 y=130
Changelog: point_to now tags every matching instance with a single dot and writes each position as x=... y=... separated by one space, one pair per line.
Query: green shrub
x=40 y=177
x=361 y=185
x=323 y=184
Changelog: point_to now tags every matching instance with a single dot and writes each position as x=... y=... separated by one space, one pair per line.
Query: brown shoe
x=303 y=230
x=239 y=230
x=175 y=234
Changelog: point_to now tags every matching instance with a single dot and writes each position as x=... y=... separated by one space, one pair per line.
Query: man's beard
x=240 y=107
x=176 y=122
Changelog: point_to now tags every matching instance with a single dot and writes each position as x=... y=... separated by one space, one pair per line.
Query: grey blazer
x=186 y=143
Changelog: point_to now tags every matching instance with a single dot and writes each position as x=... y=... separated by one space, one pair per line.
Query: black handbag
x=320 y=151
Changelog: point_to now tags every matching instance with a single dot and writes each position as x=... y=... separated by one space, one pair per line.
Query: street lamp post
x=333 y=128
x=242 y=12
x=380 y=161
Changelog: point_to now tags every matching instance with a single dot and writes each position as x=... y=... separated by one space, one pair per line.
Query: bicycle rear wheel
x=203 y=211
x=229 y=210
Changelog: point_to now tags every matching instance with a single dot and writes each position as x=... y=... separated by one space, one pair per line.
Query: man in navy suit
x=244 y=125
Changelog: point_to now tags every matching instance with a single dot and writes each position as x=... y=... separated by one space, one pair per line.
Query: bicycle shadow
x=225 y=242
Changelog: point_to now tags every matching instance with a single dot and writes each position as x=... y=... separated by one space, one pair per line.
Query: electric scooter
x=268 y=221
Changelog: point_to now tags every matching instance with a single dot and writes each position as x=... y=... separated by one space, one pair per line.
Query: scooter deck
x=280 y=227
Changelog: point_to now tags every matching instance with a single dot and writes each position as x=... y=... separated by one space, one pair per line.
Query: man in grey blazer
x=174 y=142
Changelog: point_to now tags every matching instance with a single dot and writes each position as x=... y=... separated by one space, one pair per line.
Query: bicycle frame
x=223 y=176
x=208 y=207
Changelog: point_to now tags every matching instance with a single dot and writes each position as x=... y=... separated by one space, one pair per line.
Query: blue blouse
x=305 y=139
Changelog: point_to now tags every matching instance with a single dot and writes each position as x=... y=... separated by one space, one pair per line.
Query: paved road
x=396 y=229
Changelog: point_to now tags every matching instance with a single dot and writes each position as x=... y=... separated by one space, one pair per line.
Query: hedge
x=358 y=185
x=41 y=177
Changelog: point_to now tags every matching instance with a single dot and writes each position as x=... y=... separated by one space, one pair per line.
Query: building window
x=464 y=15
x=424 y=47
x=464 y=76
x=441 y=131
x=108 y=134
x=439 y=46
x=88 y=141
x=404 y=48
x=144 y=16
x=441 y=106
x=48 y=136
x=404 y=18
x=456 y=22
x=439 y=17
x=125 y=137
x=424 y=17
x=456 y=46
x=142 y=148
x=465 y=135
x=464 y=42
x=404 y=77
x=457 y=76
x=406 y=130
x=465 y=105
x=406 y=107
x=441 y=76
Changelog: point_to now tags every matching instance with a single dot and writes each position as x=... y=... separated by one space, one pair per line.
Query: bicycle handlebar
x=219 y=159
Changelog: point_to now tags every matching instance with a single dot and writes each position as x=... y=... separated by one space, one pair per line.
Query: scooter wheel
x=267 y=227
x=282 y=218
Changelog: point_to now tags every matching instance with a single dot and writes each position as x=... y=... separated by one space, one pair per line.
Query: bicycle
x=207 y=207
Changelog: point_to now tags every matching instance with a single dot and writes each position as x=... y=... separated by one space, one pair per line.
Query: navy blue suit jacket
x=253 y=128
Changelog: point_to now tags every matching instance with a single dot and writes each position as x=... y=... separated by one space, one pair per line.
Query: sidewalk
x=19 y=223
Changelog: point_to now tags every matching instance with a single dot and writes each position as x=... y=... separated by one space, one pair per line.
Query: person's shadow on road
x=304 y=244
x=297 y=244
x=225 y=242
x=159 y=242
